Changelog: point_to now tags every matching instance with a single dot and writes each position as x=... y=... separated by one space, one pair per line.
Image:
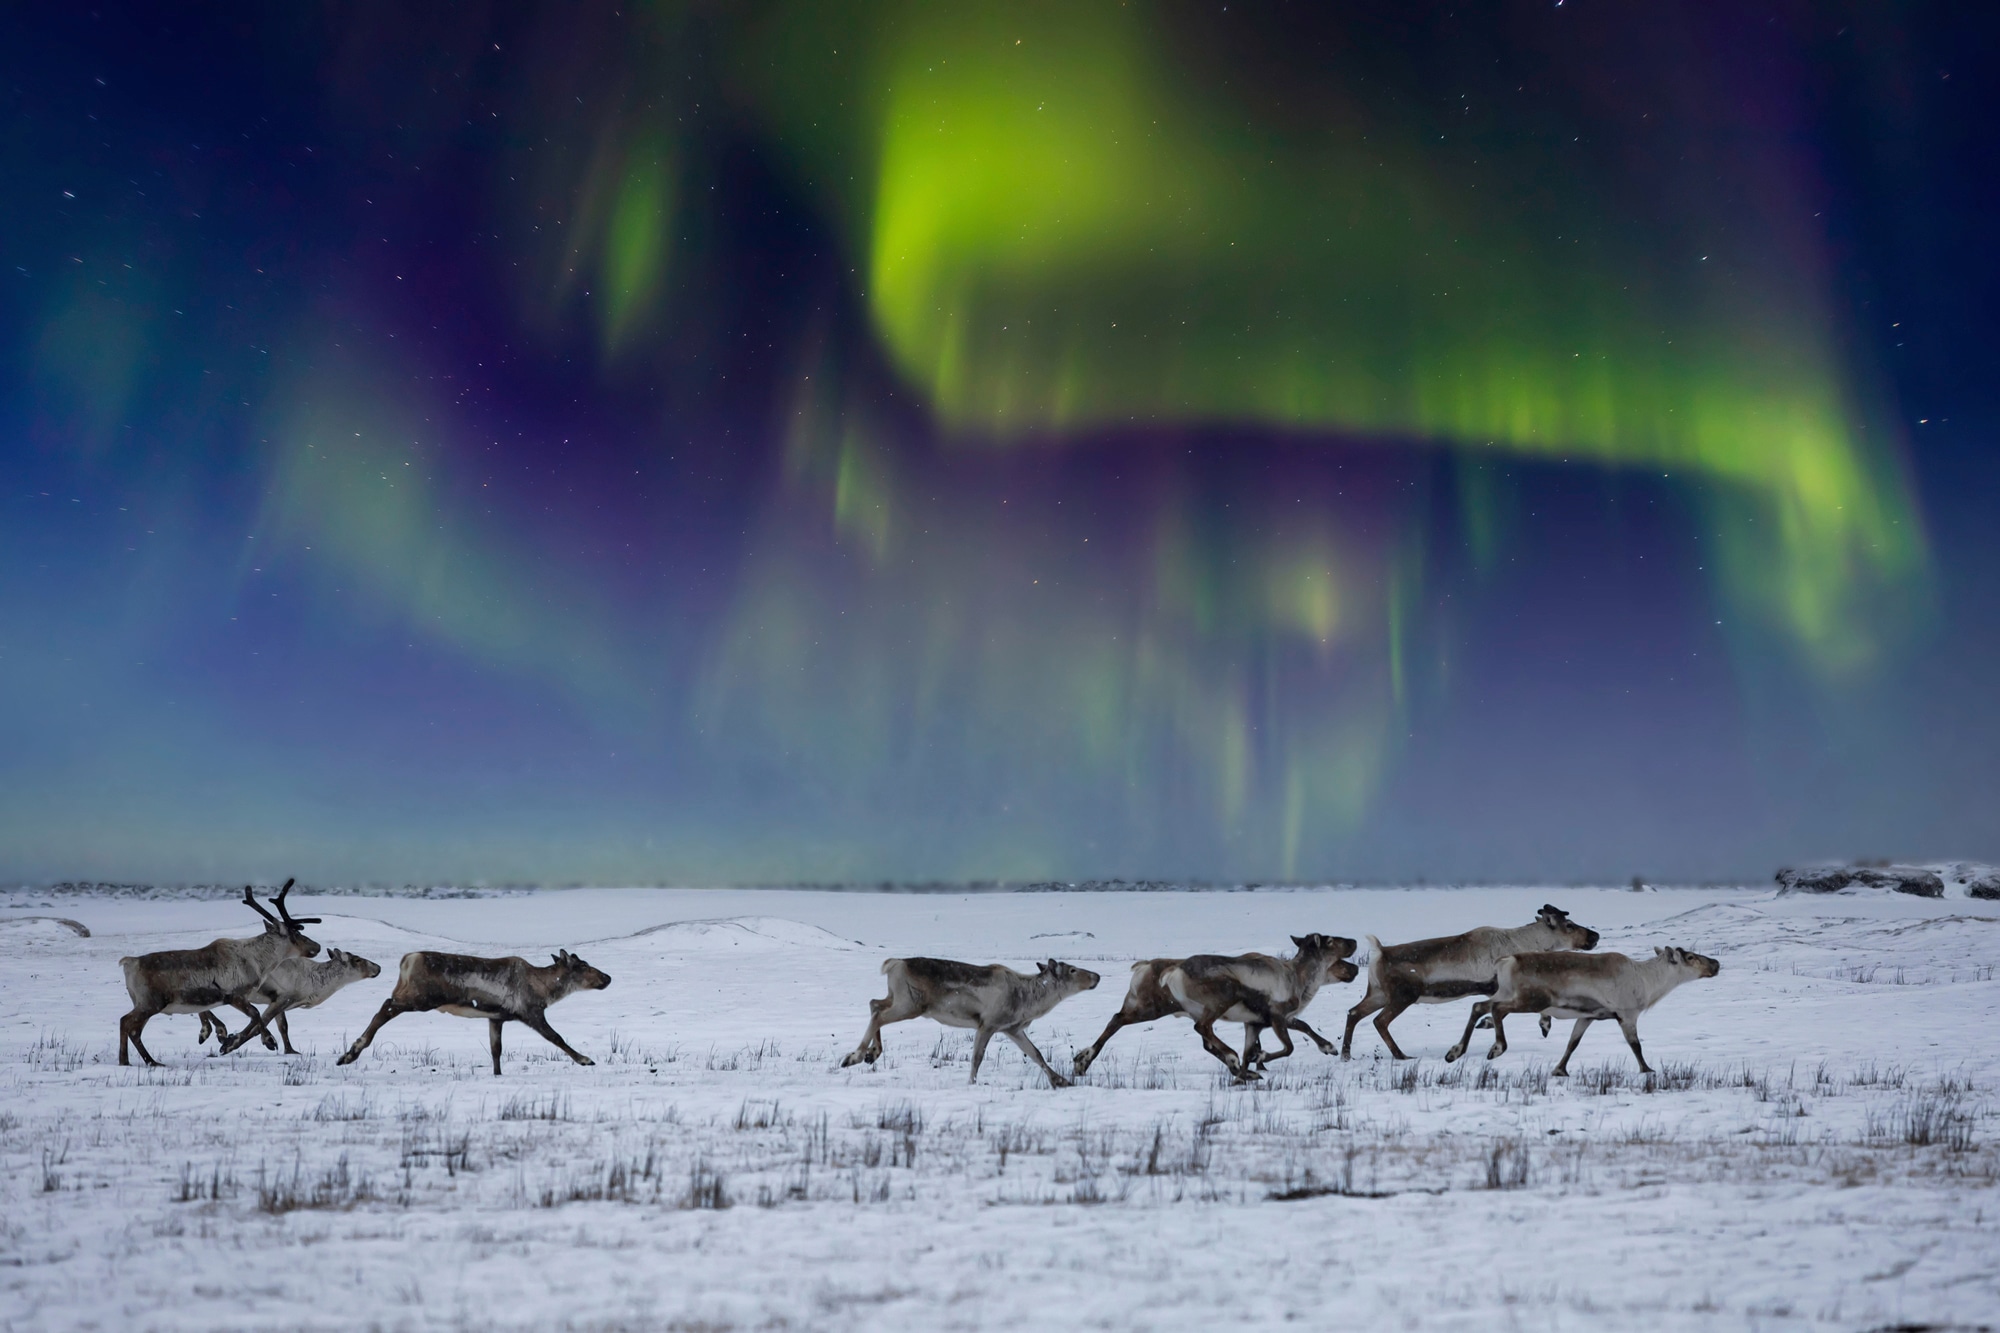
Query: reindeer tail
x=1374 y=958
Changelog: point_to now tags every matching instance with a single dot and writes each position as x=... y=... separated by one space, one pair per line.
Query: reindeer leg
x=1253 y=1048
x=1630 y=1023
x=208 y=1022
x=1086 y=1057
x=1499 y=1046
x=1479 y=1011
x=1575 y=1035
x=881 y=1013
x=979 y=1051
x=285 y=1031
x=870 y=1047
x=139 y=1026
x=249 y=1011
x=261 y=1025
x=388 y=1011
x=129 y=1027
x=1369 y=1004
x=541 y=1025
x=493 y=1026
x=1283 y=1027
x=1390 y=1013
x=1205 y=1029
x=1325 y=1047
x=1028 y=1049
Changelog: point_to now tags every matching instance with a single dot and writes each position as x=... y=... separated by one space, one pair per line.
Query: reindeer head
x=362 y=968
x=291 y=927
x=1571 y=935
x=576 y=974
x=1065 y=978
x=1332 y=952
x=1699 y=964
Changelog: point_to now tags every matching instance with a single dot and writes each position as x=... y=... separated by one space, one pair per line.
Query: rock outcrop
x=1814 y=879
x=1914 y=880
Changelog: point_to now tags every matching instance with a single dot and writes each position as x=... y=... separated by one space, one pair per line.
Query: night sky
x=844 y=441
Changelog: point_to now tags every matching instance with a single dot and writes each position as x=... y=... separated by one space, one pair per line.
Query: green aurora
x=1064 y=232
x=956 y=440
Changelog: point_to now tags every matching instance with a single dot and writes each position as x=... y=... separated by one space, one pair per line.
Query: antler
x=250 y=900
x=291 y=920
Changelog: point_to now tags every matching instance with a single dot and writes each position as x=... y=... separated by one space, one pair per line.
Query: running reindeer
x=499 y=990
x=296 y=983
x=226 y=971
x=1269 y=988
x=1564 y=985
x=1452 y=967
x=987 y=999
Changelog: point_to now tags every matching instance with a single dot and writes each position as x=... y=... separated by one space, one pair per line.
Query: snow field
x=1815 y=1150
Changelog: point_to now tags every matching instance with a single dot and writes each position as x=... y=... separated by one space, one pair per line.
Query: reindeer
x=1564 y=985
x=194 y=981
x=1452 y=967
x=1259 y=992
x=965 y=995
x=495 y=989
x=297 y=984
x=1147 y=998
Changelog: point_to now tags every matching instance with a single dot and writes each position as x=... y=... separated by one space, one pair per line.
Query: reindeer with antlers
x=226 y=971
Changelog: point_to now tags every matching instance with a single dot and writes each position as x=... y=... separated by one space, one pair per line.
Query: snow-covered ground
x=1818 y=1150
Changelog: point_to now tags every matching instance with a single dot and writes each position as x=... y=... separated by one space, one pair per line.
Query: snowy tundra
x=1815 y=1149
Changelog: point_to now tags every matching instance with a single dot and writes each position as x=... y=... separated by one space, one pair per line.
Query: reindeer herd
x=1545 y=967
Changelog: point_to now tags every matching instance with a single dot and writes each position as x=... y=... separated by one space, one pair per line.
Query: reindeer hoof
x=585 y=1060
x=348 y=1059
x=1453 y=1054
x=1558 y=1072
x=1496 y=1052
x=1058 y=1081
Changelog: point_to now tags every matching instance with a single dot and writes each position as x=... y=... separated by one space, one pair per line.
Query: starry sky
x=805 y=442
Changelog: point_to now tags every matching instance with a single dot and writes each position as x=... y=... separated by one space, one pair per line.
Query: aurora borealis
x=786 y=441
